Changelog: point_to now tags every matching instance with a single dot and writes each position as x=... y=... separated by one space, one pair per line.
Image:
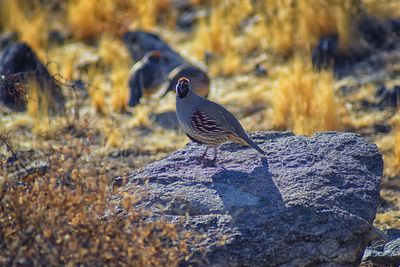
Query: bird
x=146 y=76
x=206 y=122
x=200 y=82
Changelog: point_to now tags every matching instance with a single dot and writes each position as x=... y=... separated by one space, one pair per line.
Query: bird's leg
x=214 y=160
x=205 y=153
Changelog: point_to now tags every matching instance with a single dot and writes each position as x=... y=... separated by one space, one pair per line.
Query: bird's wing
x=219 y=114
x=205 y=124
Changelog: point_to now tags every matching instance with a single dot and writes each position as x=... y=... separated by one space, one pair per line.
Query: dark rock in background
x=139 y=43
x=6 y=39
x=260 y=70
x=19 y=68
x=323 y=55
x=309 y=202
x=171 y=66
x=374 y=31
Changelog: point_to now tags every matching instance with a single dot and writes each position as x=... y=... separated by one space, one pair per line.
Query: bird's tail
x=255 y=146
x=246 y=141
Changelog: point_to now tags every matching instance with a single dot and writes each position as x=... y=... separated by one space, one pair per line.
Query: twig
x=6 y=142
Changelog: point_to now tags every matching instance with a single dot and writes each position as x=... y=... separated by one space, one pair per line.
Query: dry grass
x=396 y=151
x=396 y=143
x=38 y=108
x=304 y=101
x=89 y=18
x=83 y=19
x=299 y=25
x=65 y=217
x=31 y=24
x=217 y=35
x=283 y=27
x=383 y=9
x=120 y=89
x=390 y=219
x=115 y=57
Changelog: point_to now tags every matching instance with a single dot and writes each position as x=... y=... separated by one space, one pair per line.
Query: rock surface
x=384 y=255
x=308 y=202
x=387 y=254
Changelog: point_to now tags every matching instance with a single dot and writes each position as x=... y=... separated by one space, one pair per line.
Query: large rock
x=309 y=202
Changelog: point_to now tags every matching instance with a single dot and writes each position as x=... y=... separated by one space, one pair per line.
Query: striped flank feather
x=205 y=125
x=207 y=131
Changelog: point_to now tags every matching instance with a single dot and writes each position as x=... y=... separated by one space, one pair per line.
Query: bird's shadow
x=240 y=190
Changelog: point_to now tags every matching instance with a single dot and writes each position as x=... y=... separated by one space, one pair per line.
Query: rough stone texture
x=386 y=254
x=309 y=202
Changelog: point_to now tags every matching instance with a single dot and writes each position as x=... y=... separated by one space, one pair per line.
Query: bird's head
x=182 y=87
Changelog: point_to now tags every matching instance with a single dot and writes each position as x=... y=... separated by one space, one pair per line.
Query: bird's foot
x=206 y=162
x=209 y=163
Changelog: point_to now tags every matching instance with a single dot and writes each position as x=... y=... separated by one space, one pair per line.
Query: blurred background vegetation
x=259 y=55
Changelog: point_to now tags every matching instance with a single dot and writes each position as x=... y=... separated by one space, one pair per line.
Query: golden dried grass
x=116 y=58
x=303 y=100
x=390 y=219
x=89 y=18
x=31 y=24
x=38 y=103
x=382 y=9
x=65 y=217
x=217 y=35
x=396 y=143
x=299 y=25
x=96 y=91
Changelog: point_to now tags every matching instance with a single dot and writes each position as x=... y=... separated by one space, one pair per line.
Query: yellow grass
x=59 y=218
x=390 y=219
x=113 y=52
x=383 y=8
x=304 y=101
x=396 y=146
x=32 y=26
x=88 y=18
x=217 y=35
x=141 y=115
x=397 y=149
x=120 y=90
x=299 y=26
x=38 y=109
x=115 y=57
x=82 y=18
x=96 y=91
